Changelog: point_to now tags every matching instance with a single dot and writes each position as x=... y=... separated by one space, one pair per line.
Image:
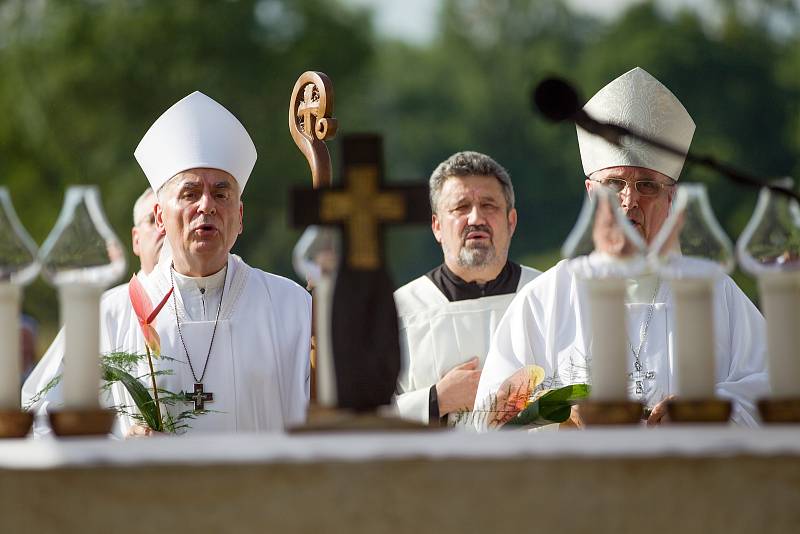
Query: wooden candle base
x=334 y=420
x=625 y=412
x=15 y=424
x=784 y=410
x=699 y=410
x=78 y=422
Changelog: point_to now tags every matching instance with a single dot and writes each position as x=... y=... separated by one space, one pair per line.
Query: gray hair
x=469 y=163
x=139 y=204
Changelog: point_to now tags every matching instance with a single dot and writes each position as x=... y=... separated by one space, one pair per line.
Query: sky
x=415 y=20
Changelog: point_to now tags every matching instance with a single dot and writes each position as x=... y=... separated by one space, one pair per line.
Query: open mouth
x=477 y=235
x=205 y=230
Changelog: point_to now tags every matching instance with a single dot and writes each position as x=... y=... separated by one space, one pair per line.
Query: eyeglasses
x=646 y=188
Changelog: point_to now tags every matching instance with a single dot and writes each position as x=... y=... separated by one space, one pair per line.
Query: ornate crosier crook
x=311 y=123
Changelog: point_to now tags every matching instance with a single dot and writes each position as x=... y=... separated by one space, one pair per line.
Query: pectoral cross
x=639 y=376
x=199 y=397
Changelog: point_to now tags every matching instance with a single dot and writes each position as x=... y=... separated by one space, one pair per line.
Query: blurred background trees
x=81 y=81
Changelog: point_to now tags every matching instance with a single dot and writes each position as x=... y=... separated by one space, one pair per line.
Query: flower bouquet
x=521 y=402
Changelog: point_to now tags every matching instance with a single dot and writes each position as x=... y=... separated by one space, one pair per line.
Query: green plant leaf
x=552 y=407
x=141 y=397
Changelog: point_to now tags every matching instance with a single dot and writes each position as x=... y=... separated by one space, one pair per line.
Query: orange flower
x=146 y=314
x=514 y=394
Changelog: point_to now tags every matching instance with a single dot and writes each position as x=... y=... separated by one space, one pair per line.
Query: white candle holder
x=691 y=252
x=604 y=249
x=316 y=258
x=18 y=267
x=769 y=249
x=81 y=257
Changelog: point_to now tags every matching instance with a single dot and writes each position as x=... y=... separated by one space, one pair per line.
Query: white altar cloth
x=687 y=441
x=688 y=480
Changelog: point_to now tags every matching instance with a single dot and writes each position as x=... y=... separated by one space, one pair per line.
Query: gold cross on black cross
x=362 y=205
x=199 y=397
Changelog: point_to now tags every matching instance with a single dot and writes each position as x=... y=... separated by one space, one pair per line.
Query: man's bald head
x=145 y=237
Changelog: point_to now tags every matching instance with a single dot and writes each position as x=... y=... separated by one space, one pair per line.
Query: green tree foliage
x=81 y=80
x=470 y=89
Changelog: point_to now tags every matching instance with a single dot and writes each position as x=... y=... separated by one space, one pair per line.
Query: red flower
x=146 y=314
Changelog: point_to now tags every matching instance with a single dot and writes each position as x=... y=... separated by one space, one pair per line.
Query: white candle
x=10 y=355
x=609 y=348
x=780 y=296
x=694 y=337
x=326 y=370
x=80 y=315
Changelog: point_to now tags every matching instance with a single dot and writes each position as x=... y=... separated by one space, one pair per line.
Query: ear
x=159 y=214
x=588 y=183
x=135 y=241
x=512 y=221
x=436 y=227
x=241 y=217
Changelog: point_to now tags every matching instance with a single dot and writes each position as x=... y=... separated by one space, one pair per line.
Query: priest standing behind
x=448 y=315
x=237 y=334
x=547 y=325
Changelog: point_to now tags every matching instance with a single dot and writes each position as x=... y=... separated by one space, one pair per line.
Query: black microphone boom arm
x=558 y=101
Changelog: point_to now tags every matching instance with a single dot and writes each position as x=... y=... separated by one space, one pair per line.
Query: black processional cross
x=364 y=334
x=199 y=397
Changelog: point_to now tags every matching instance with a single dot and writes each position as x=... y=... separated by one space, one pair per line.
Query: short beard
x=477 y=257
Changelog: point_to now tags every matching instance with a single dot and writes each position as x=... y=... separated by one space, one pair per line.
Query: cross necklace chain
x=198 y=396
x=639 y=375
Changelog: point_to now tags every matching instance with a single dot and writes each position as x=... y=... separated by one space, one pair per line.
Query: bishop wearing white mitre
x=547 y=322
x=240 y=337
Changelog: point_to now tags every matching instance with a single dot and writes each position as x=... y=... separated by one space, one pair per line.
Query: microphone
x=558 y=101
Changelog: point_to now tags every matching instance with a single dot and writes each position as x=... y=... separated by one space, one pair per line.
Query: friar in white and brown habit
x=547 y=322
x=448 y=315
x=239 y=337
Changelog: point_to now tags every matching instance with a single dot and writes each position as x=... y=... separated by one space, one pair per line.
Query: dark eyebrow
x=222 y=185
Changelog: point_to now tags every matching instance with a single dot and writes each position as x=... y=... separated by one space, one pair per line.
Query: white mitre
x=196 y=132
x=644 y=105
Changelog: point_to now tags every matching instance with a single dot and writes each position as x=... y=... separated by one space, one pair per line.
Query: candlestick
x=81 y=257
x=691 y=252
x=10 y=354
x=694 y=337
x=769 y=248
x=603 y=250
x=326 y=370
x=780 y=298
x=80 y=313
x=18 y=267
x=608 y=350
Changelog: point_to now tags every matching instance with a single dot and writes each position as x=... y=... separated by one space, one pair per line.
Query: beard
x=476 y=254
x=479 y=255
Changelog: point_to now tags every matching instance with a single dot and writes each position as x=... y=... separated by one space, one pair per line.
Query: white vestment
x=437 y=335
x=547 y=324
x=258 y=369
